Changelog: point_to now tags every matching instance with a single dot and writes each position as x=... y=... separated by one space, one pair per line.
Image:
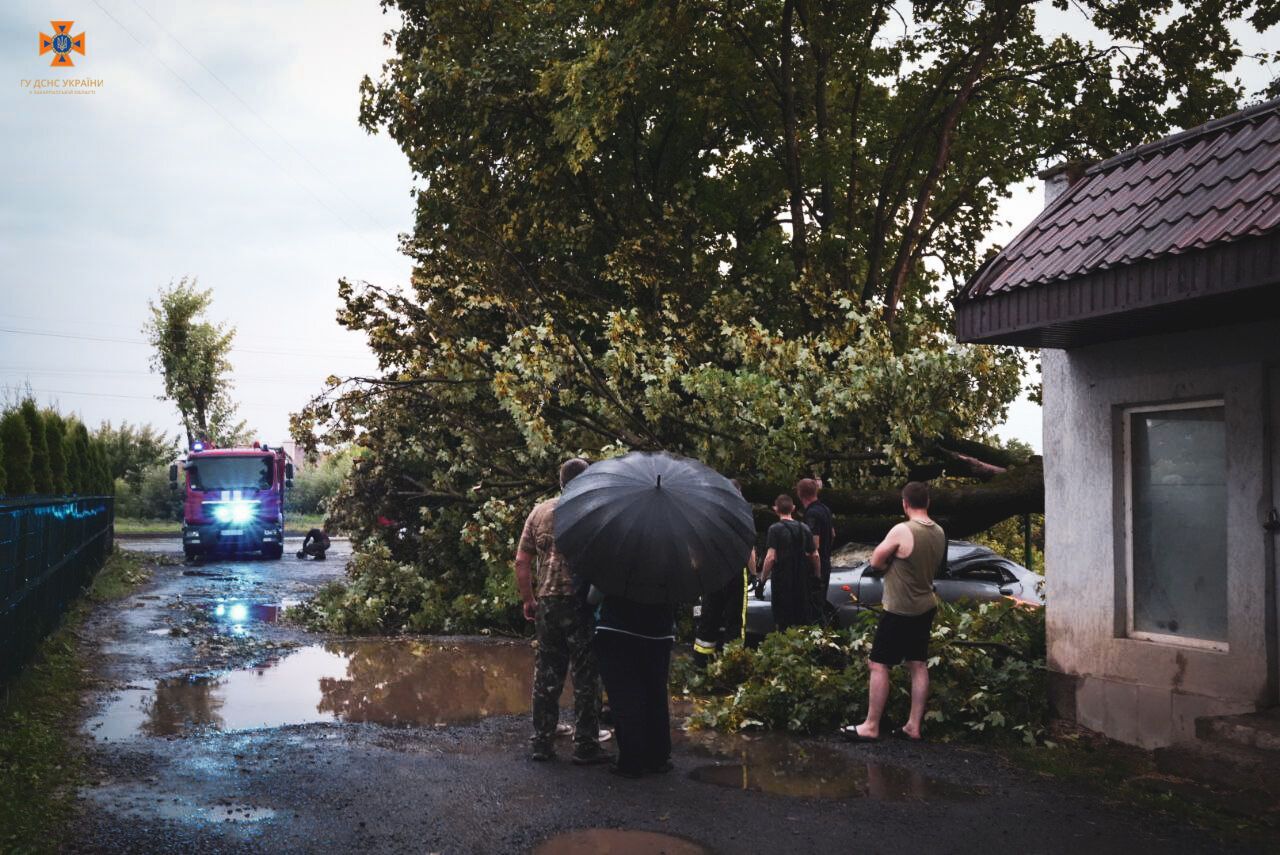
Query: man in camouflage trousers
x=563 y=624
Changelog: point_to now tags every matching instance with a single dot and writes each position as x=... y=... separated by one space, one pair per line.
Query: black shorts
x=902 y=637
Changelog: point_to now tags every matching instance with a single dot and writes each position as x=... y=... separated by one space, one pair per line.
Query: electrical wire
x=231 y=124
x=99 y=372
x=234 y=94
x=117 y=340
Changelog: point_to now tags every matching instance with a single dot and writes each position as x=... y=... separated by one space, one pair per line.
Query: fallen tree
x=1000 y=487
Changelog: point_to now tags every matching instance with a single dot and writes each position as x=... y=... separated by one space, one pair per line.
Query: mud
x=784 y=767
x=610 y=841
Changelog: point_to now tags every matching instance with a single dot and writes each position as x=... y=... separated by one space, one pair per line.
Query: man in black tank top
x=792 y=562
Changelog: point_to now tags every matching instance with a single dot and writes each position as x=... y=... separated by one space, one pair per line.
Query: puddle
x=127 y=801
x=384 y=682
x=239 y=612
x=609 y=841
x=237 y=616
x=783 y=767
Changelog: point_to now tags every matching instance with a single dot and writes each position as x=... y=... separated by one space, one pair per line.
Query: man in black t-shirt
x=791 y=561
x=817 y=516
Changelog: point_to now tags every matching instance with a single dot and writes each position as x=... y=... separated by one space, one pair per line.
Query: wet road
x=219 y=728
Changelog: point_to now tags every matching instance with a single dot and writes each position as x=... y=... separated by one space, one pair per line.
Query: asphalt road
x=229 y=731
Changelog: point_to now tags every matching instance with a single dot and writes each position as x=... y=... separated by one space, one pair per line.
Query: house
x=1151 y=284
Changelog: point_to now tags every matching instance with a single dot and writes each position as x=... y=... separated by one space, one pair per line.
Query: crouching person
x=908 y=559
x=315 y=544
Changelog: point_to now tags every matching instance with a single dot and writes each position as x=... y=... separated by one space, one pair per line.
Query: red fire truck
x=233 y=499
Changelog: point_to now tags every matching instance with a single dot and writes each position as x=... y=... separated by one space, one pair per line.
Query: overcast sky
x=222 y=144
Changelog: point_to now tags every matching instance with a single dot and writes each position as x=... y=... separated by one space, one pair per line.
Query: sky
x=221 y=143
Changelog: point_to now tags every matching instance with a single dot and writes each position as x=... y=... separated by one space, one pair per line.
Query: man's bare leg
x=877 y=697
x=919 y=695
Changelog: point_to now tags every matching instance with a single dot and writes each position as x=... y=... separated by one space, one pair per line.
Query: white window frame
x=1127 y=427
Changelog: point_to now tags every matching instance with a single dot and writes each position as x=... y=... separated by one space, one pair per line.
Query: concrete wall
x=1145 y=692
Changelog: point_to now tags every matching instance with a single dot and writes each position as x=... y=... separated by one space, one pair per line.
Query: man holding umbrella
x=648 y=531
x=563 y=630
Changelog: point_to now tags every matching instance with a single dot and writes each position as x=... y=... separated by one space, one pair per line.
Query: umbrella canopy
x=654 y=528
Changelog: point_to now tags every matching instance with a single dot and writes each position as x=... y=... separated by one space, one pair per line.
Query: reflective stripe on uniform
x=706 y=647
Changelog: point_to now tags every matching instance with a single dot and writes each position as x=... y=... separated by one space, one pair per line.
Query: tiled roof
x=1200 y=188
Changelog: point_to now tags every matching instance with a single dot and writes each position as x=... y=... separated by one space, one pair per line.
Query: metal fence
x=50 y=550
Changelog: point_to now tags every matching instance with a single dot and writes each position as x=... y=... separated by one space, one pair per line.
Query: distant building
x=1152 y=284
x=299 y=456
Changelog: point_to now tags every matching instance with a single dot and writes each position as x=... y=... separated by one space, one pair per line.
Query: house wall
x=1144 y=692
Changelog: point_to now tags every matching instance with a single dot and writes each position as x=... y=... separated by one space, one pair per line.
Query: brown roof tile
x=1210 y=185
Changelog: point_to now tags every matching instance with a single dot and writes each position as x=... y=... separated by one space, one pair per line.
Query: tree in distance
x=134 y=449
x=192 y=356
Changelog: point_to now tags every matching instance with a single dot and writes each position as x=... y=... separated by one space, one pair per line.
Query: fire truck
x=233 y=499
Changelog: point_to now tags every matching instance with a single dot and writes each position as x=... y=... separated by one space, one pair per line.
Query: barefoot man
x=907 y=559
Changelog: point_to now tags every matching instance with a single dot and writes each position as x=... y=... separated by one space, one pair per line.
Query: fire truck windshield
x=230 y=473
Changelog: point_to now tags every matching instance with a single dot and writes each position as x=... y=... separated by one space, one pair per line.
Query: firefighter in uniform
x=722 y=615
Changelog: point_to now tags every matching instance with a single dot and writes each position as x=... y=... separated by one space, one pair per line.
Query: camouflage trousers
x=564 y=643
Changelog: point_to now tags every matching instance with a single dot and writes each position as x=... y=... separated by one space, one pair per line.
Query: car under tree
x=974 y=573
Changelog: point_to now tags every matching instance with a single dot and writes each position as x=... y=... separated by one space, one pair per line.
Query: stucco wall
x=1144 y=692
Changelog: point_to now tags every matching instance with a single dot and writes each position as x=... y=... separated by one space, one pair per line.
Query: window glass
x=1178 y=473
x=230 y=473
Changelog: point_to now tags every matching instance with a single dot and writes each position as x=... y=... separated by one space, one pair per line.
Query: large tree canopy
x=721 y=228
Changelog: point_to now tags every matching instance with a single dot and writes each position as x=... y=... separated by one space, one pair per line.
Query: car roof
x=960 y=550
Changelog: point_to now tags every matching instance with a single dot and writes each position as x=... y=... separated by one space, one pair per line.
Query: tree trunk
x=963 y=510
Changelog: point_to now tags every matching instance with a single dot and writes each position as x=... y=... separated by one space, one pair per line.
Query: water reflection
x=785 y=767
x=610 y=841
x=385 y=682
x=427 y=683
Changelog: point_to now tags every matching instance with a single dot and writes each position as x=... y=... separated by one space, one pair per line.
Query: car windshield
x=230 y=473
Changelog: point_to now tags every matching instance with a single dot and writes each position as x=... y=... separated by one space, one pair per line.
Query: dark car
x=973 y=573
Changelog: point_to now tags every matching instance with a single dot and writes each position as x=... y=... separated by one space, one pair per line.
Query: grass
x=293 y=523
x=125 y=525
x=40 y=767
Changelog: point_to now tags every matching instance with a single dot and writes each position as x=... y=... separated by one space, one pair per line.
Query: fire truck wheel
x=273 y=551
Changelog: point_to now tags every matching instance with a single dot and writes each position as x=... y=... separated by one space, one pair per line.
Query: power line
x=90 y=394
x=156 y=57
x=370 y=217
x=250 y=401
x=96 y=323
x=237 y=349
x=101 y=372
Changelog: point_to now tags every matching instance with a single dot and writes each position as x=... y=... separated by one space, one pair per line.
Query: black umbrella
x=654 y=528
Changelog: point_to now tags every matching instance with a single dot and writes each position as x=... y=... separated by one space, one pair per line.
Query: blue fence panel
x=50 y=550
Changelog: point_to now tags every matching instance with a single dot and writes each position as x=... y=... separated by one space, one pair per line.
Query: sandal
x=851 y=734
